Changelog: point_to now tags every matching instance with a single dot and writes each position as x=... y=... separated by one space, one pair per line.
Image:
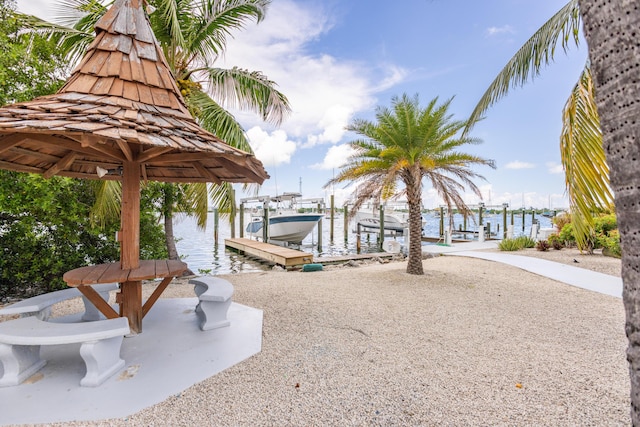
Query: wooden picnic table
x=130 y=296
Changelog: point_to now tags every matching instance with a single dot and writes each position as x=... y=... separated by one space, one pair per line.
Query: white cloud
x=325 y=92
x=517 y=164
x=273 y=149
x=555 y=168
x=335 y=158
x=494 y=31
x=40 y=8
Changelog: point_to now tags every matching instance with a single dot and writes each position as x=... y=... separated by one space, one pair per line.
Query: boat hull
x=287 y=228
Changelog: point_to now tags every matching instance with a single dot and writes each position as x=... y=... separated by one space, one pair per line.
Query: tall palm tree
x=406 y=144
x=611 y=31
x=583 y=159
x=193 y=36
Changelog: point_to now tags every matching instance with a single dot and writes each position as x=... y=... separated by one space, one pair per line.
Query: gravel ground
x=471 y=342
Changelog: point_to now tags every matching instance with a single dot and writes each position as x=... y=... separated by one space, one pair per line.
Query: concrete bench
x=215 y=298
x=20 y=342
x=40 y=306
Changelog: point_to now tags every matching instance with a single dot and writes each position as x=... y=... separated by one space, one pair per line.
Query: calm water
x=199 y=250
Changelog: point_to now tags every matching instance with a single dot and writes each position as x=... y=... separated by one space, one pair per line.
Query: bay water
x=199 y=250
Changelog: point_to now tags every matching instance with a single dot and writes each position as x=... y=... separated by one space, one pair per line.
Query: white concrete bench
x=20 y=342
x=215 y=298
x=40 y=305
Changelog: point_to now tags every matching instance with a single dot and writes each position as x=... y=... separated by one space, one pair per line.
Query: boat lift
x=292 y=198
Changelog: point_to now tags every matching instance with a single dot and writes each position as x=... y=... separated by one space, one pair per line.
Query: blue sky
x=337 y=60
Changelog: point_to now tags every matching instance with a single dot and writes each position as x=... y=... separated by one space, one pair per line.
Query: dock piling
x=346 y=223
x=332 y=207
x=320 y=210
x=215 y=227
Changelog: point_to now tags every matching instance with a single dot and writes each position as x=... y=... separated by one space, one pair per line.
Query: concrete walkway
x=574 y=276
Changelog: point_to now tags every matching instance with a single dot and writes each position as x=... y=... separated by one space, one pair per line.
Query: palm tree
x=583 y=159
x=611 y=31
x=406 y=144
x=193 y=35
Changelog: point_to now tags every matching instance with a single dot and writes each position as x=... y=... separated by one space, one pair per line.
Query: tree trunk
x=612 y=30
x=414 y=200
x=170 y=239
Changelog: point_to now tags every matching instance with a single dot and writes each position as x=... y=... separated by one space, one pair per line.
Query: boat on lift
x=286 y=223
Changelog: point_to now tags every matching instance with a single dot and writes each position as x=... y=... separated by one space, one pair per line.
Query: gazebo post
x=131 y=291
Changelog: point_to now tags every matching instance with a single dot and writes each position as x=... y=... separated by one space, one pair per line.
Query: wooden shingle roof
x=121 y=103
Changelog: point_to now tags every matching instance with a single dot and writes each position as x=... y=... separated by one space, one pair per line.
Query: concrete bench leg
x=213 y=314
x=102 y=359
x=19 y=362
x=91 y=313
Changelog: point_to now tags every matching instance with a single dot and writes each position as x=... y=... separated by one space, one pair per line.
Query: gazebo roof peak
x=126 y=61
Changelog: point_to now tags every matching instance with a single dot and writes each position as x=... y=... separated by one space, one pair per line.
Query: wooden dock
x=272 y=253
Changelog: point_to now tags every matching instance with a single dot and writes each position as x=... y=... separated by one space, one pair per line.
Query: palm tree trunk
x=169 y=237
x=414 y=200
x=170 y=240
x=612 y=30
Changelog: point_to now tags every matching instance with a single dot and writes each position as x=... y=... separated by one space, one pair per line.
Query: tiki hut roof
x=121 y=104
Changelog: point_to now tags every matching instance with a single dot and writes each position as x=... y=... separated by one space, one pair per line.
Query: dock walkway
x=280 y=255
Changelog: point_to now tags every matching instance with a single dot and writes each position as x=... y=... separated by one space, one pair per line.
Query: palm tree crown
x=405 y=144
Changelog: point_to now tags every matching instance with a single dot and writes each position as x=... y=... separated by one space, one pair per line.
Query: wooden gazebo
x=120 y=111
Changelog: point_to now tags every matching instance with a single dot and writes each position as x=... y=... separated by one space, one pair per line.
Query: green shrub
x=45 y=231
x=542 y=245
x=509 y=245
x=611 y=244
x=567 y=237
x=526 y=242
x=605 y=224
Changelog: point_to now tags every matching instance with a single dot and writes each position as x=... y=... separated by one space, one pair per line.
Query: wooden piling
x=265 y=224
x=332 y=207
x=241 y=220
x=381 y=236
x=504 y=221
x=346 y=223
x=320 y=210
x=215 y=227
x=233 y=214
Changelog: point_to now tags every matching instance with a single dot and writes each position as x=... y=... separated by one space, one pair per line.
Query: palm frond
x=248 y=90
x=218 y=121
x=216 y=20
x=168 y=24
x=107 y=205
x=74 y=30
x=583 y=159
x=195 y=202
x=222 y=198
x=537 y=52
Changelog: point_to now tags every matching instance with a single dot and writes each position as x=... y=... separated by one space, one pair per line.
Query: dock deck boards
x=285 y=257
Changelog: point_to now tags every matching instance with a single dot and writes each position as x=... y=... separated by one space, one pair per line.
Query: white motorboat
x=394 y=220
x=390 y=222
x=286 y=224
